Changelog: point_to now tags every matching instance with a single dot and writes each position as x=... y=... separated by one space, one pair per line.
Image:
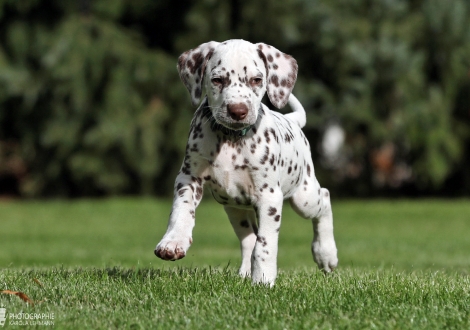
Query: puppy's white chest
x=232 y=177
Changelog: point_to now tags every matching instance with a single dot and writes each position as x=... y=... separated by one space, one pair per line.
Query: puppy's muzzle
x=237 y=111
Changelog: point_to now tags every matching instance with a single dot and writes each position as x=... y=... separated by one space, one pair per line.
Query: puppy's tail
x=298 y=112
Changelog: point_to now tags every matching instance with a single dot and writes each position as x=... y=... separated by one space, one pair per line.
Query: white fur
x=249 y=174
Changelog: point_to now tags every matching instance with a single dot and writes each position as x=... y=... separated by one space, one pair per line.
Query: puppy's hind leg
x=244 y=224
x=311 y=201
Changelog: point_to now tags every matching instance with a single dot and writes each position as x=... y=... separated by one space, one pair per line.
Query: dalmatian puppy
x=250 y=158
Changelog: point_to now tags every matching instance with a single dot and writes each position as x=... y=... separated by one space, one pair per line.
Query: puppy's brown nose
x=237 y=111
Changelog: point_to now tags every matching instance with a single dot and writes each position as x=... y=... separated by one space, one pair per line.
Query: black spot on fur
x=253 y=148
x=194 y=148
x=266 y=135
x=273 y=132
x=240 y=167
x=262 y=240
x=272 y=211
x=198 y=193
x=265 y=156
x=186 y=169
x=271 y=161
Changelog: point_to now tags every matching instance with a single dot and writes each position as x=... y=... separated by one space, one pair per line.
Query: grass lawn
x=403 y=265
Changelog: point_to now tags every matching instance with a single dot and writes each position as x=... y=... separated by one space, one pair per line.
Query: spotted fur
x=249 y=157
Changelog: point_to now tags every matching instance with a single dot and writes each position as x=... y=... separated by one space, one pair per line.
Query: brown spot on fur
x=275 y=80
x=272 y=211
x=198 y=193
x=198 y=59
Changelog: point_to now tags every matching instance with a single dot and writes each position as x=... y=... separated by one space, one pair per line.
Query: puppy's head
x=235 y=75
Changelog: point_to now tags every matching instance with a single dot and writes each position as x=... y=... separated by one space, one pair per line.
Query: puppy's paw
x=173 y=249
x=325 y=255
x=263 y=271
x=263 y=280
x=244 y=271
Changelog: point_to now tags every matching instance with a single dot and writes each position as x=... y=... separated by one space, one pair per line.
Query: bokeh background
x=91 y=103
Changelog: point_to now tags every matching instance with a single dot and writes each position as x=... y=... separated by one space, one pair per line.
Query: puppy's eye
x=256 y=81
x=217 y=81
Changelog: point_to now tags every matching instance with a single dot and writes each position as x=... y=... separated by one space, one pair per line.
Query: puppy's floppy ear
x=191 y=67
x=281 y=72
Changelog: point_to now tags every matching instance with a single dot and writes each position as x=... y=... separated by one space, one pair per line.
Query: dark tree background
x=91 y=103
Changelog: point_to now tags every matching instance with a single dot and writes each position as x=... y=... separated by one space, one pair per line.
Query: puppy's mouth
x=235 y=116
x=235 y=126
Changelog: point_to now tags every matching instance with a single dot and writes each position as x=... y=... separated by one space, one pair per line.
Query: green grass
x=403 y=265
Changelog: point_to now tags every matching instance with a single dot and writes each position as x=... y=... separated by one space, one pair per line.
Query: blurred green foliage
x=91 y=103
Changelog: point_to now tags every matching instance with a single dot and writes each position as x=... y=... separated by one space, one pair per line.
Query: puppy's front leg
x=178 y=237
x=264 y=257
